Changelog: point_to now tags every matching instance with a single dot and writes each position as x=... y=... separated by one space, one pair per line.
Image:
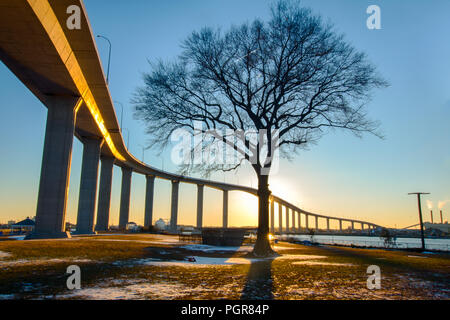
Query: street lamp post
x=128 y=137
x=121 y=114
x=143 y=152
x=109 y=56
x=420 y=216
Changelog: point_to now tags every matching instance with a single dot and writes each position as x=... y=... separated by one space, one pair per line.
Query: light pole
x=143 y=152
x=128 y=137
x=121 y=114
x=420 y=216
x=109 y=56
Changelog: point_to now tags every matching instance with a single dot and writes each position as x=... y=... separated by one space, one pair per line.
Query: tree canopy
x=294 y=74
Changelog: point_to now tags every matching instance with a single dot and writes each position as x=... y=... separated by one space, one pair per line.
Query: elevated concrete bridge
x=63 y=69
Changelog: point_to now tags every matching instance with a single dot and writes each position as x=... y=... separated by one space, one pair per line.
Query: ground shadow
x=259 y=284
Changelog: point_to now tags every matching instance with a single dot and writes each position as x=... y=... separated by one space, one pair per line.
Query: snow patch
x=136 y=291
x=16 y=237
x=199 y=262
x=299 y=257
x=208 y=248
x=26 y=262
x=4 y=254
x=321 y=263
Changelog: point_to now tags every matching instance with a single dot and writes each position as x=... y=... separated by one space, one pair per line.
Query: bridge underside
x=63 y=69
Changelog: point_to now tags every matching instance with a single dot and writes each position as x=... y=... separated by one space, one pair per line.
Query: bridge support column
x=104 y=194
x=174 y=206
x=317 y=223
x=272 y=216
x=306 y=221
x=225 y=209
x=88 y=185
x=353 y=225
x=125 y=197
x=340 y=224
x=149 y=195
x=328 y=224
x=200 y=189
x=55 y=169
x=362 y=226
x=293 y=220
x=280 y=218
x=299 y=218
x=287 y=220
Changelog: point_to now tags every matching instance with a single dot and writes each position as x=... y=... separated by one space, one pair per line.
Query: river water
x=430 y=244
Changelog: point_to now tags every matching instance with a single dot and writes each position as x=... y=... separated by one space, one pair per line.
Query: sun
x=245 y=209
x=285 y=189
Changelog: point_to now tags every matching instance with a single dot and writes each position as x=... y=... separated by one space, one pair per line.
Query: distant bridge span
x=63 y=70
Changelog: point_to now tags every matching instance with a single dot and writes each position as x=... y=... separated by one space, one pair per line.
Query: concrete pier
x=200 y=189
x=125 y=197
x=272 y=216
x=317 y=223
x=328 y=224
x=280 y=218
x=149 y=193
x=353 y=225
x=174 y=206
x=88 y=185
x=306 y=221
x=55 y=169
x=340 y=224
x=104 y=194
x=287 y=220
x=293 y=221
x=225 y=209
x=299 y=218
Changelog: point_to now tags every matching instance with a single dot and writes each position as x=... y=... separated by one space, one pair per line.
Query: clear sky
x=367 y=178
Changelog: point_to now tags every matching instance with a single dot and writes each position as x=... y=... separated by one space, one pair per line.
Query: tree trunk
x=262 y=247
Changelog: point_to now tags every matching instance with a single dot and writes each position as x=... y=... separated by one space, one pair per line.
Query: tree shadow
x=259 y=285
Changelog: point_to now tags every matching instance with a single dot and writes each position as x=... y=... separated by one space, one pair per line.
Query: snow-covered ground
x=322 y=263
x=16 y=237
x=4 y=255
x=22 y=262
x=208 y=248
x=140 y=289
x=199 y=262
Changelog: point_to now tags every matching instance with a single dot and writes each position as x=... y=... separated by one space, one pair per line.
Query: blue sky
x=342 y=175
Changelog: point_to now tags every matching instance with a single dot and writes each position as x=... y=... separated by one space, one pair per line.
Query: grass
x=39 y=270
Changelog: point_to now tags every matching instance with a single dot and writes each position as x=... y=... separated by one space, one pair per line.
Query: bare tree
x=290 y=79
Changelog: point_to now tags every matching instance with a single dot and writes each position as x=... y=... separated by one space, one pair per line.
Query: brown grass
x=404 y=275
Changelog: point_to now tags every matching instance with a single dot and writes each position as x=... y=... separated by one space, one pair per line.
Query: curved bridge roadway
x=63 y=69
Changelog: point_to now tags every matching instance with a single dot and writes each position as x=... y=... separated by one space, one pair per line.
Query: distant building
x=132 y=226
x=443 y=227
x=26 y=225
x=11 y=222
x=186 y=228
x=160 y=225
